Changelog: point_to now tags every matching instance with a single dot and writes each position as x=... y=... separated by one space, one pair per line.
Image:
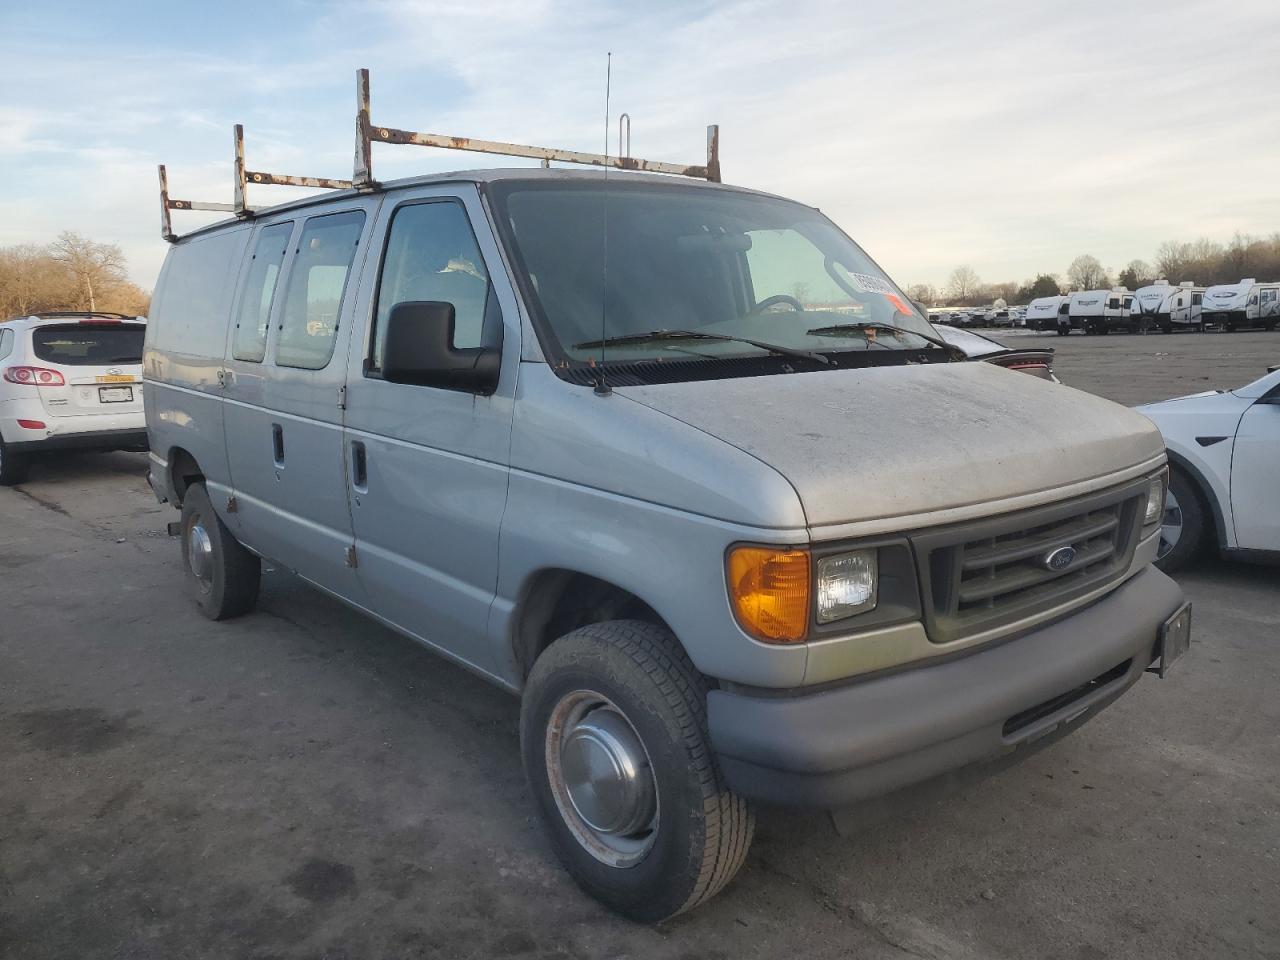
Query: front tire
x=1183 y=526
x=613 y=733
x=13 y=466
x=222 y=575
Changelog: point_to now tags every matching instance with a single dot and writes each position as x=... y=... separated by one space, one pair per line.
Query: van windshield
x=701 y=261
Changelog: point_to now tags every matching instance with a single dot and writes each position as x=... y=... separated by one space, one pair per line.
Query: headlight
x=1155 y=501
x=846 y=585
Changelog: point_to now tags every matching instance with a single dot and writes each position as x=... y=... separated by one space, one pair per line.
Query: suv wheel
x=614 y=739
x=223 y=575
x=13 y=466
x=1182 y=528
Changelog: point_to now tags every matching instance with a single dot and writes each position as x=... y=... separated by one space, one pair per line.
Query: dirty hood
x=894 y=441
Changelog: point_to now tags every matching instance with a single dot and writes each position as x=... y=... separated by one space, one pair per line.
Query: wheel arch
x=555 y=600
x=1205 y=491
x=184 y=470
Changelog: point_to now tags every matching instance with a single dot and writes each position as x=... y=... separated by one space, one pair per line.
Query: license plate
x=114 y=378
x=1175 y=638
x=115 y=394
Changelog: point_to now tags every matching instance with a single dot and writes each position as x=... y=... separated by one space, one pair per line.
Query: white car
x=1224 y=458
x=69 y=380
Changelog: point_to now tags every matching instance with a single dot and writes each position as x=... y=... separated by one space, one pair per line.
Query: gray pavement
x=302 y=783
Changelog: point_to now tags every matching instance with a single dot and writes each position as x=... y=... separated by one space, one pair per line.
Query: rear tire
x=1183 y=526
x=686 y=833
x=13 y=466
x=222 y=575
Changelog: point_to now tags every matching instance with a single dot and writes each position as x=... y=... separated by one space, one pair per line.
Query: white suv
x=69 y=380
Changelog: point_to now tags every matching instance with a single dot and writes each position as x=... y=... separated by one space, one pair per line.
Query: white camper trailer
x=1097 y=311
x=1186 y=306
x=1263 y=307
x=1151 y=305
x=1042 y=313
x=1227 y=303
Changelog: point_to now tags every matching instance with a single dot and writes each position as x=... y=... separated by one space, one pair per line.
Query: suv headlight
x=1155 y=501
x=846 y=585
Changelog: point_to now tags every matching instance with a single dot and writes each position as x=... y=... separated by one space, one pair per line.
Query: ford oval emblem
x=1059 y=558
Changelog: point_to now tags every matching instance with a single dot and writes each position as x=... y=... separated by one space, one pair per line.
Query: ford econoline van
x=676 y=463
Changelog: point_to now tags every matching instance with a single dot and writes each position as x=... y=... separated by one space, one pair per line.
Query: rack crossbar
x=201 y=205
x=284 y=180
x=392 y=135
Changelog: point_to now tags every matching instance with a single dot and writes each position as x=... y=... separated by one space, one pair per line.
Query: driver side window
x=432 y=254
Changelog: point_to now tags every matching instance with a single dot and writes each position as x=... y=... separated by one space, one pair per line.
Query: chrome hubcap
x=601 y=778
x=200 y=553
x=1170 y=526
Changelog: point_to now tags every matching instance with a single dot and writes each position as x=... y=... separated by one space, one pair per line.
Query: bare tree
x=924 y=293
x=1137 y=274
x=40 y=278
x=1086 y=273
x=97 y=267
x=963 y=285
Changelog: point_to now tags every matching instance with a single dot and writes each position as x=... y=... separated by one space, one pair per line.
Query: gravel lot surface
x=302 y=783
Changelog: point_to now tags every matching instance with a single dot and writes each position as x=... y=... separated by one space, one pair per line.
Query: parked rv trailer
x=1087 y=310
x=1227 y=303
x=1152 y=306
x=1119 y=310
x=1263 y=307
x=1042 y=312
x=1186 y=305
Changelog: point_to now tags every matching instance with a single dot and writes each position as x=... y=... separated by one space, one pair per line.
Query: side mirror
x=418 y=349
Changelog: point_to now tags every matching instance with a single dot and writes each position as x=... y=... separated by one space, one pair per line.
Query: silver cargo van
x=679 y=465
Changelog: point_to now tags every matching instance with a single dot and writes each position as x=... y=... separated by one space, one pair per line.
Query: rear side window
x=259 y=292
x=88 y=345
x=317 y=282
x=432 y=255
x=6 y=343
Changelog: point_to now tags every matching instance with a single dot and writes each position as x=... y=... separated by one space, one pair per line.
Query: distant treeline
x=1203 y=262
x=72 y=273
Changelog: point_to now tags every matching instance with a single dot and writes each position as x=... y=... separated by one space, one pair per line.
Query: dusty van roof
x=487 y=175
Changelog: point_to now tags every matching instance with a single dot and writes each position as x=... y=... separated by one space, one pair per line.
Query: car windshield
x=626 y=260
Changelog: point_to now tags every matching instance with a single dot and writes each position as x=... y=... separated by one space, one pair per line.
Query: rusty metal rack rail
x=368 y=133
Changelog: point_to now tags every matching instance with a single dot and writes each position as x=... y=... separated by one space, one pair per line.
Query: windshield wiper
x=839 y=329
x=654 y=335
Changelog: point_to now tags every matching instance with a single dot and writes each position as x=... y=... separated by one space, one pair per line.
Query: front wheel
x=223 y=576
x=13 y=466
x=613 y=734
x=1182 y=528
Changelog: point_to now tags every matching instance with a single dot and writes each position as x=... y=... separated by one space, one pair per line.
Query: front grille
x=989 y=573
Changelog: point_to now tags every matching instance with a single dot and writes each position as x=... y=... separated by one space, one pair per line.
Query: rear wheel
x=614 y=738
x=13 y=466
x=223 y=576
x=1182 y=528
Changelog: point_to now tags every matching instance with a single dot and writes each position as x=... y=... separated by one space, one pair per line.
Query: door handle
x=359 y=466
x=277 y=444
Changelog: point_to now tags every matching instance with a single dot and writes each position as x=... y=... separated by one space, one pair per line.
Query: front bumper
x=877 y=735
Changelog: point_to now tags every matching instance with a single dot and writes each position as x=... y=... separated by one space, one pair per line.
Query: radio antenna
x=602 y=385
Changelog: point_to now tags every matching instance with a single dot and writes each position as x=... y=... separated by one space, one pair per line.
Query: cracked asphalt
x=302 y=783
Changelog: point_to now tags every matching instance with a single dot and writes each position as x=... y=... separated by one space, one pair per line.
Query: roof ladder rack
x=367 y=133
x=239 y=205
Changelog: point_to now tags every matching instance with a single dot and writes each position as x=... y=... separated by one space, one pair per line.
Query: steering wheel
x=777 y=298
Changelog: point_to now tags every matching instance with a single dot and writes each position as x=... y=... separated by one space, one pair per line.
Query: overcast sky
x=1008 y=135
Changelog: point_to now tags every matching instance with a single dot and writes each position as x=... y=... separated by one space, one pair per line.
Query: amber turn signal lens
x=769 y=588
